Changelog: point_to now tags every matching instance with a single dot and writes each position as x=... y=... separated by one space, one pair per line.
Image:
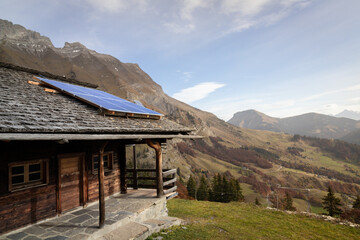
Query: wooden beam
x=173 y=189
x=122 y=163
x=169 y=182
x=50 y=90
x=33 y=82
x=101 y=186
x=171 y=171
x=135 y=177
x=58 y=187
x=60 y=136
x=159 y=176
x=84 y=180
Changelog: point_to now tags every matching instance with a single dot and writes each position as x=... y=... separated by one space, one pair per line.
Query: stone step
x=141 y=230
x=131 y=230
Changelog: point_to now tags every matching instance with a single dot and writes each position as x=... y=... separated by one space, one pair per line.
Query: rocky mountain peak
x=75 y=45
x=16 y=34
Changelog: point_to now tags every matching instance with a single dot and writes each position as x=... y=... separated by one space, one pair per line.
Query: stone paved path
x=82 y=223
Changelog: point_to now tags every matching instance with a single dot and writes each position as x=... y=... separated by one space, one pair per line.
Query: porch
x=136 y=215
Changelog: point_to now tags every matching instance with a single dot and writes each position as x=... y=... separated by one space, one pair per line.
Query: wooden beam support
x=135 y=177
x=58 y=187
x=159 y=175
x=101 y=186
x=122 y=163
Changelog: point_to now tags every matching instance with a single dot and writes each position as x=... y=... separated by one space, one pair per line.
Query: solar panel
x=106 y=101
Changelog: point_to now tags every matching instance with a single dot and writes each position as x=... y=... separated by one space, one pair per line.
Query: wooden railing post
x=122 y=162
x=135 y=175
x=159 y=176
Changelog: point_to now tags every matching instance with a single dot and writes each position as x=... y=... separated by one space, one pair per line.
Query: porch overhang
x=66 y=136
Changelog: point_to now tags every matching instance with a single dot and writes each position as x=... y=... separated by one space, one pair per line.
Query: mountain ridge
x=309 y=124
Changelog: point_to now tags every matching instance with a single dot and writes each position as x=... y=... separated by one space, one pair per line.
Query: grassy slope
x=210 y=220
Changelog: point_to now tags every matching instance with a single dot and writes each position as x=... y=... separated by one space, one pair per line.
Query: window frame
x=109 y=168
x=27 y=183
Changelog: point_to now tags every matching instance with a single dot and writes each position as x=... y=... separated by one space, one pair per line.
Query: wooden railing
x=146 y=178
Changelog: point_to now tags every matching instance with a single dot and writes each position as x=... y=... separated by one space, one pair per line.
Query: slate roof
x=27 y=108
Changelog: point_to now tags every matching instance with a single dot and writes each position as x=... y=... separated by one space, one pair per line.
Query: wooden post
x=159 y=177
x=84 y=181
x=101 y=186
x=135 y=182
x=122 y=162
x=58 y=185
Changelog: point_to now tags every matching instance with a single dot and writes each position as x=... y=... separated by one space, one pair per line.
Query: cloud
x=179 y=28
x=116 y=6
x=111 y=6
x=187 y=76
x=319 y=95
x=197 y=92
x=244 y=7
x=228 y=16
x=189 y=6
x=245 y=14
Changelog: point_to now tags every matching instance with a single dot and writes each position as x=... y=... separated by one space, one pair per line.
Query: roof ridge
x=46 y=74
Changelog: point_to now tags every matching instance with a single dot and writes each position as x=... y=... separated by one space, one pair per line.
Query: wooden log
x=159 y=173
x=58 y=187
x=101 y=186
x=167 y=173
x=169 y=182
x=135 y=182
x=173 y=189
x=122 y=163
x=84 y=181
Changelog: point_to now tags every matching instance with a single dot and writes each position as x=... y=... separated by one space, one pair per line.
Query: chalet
x=61 y=149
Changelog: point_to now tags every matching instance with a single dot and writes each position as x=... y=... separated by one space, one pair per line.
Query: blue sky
x=280 y=57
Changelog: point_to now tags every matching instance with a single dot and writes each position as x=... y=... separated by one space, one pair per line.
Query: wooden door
x=70 y=182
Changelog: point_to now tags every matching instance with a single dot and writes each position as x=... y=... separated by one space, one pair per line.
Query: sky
x=280 y=57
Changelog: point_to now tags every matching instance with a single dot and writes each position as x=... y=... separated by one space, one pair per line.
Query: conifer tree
x=191 y=187
x=203 y=190
x=331 y=203
x=239 y=195
x=217 y=188
x=357 y=202
x=226 y=190
x=288 y=202
x=257 y=203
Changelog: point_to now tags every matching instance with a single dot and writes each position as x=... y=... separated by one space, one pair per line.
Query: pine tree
x=226 y=190
x=191 y=187
x=288 y=202
x=203 y=190
x=257 y=202
x=331 y=203
x=357 y=202
x=217 y=188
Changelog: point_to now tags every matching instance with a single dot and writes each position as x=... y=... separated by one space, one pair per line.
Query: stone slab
x=129 y=231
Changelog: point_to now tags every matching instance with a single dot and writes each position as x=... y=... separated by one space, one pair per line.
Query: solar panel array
x=100 y=99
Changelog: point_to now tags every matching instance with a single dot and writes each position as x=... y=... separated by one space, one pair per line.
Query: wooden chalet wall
x=22 y=207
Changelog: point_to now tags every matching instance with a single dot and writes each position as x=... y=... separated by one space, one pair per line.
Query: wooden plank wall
x=111 y=181
x=21 y=208
x=28 y=206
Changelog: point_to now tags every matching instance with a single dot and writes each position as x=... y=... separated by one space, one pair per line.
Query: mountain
x=349 y=114
x=255 y=120
x=309 y=124
x=264 y=162
x=352 y=137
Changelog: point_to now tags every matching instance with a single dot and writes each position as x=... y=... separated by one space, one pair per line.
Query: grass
x=235 y=220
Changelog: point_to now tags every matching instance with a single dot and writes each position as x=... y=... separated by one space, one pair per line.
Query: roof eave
x=72 y=137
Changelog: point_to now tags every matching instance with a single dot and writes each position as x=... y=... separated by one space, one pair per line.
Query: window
x=28 y=174
x=108 y=162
